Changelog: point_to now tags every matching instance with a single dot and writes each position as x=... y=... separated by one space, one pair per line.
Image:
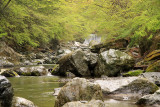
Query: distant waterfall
x=92 y=37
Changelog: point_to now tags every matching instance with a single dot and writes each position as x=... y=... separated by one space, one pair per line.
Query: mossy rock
x=133 y=73
x=139 y=86
x=78 y=89
x=9 y=73
x=155 y=67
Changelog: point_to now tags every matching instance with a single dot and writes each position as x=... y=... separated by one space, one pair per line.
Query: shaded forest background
x=26 y=24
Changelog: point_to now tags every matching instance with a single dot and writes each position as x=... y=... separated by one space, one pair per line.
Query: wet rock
x=112 y=62
x=152 y=76
x=78 y=89
x=32 y=71
x=6 y=92
x=92 y=103
x=140 y=86
x=9 y=73
x=22 y=102
x=75 y=63
x=152 y=99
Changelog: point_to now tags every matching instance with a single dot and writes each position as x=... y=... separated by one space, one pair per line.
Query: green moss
x=133 y=73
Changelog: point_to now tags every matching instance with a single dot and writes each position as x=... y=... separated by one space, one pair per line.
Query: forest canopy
x=37 y=23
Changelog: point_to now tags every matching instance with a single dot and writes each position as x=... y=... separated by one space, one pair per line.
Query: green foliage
x=37 y=22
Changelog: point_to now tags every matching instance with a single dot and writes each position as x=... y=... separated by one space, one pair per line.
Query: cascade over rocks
x=78 y=89
x=6 y=92
x=112 y=62
x=80 y=63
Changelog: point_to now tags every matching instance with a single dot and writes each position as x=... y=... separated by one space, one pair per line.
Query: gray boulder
x=140 y=86
x=22 y=102
x=6 y=92
x=78 y=89
x=92 y=103
x=80 y=63
x=32 y=71
x=152 y=76
x=152 y=99
x=112 y=62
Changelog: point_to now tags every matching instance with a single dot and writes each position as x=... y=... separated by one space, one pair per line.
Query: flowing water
x=37 y=89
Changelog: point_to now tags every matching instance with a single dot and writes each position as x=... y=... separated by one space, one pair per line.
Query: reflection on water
x=37 y=89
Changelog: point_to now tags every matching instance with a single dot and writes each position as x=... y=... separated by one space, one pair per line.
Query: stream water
x=37 y=89
x=40 y=91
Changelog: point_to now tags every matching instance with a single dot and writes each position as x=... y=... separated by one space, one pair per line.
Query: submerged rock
x=112 y=62
x=32 y=71
x=78 y=89
x=22 y=102
x=6 y=92
x=152 y=99
x=92 y=103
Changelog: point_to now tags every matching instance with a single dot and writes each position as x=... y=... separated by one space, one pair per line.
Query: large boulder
x=109 y=85
x=152 y=76
x=92 y=103
x=6 y=92
x=140 y=86
x=151 y=100
x=78 y=89
x=22 y=102
x=32 y=71
x=133 y=86
x=112 y=62
x=80 y=63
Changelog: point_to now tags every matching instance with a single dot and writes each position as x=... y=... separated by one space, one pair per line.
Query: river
x=37 y=89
